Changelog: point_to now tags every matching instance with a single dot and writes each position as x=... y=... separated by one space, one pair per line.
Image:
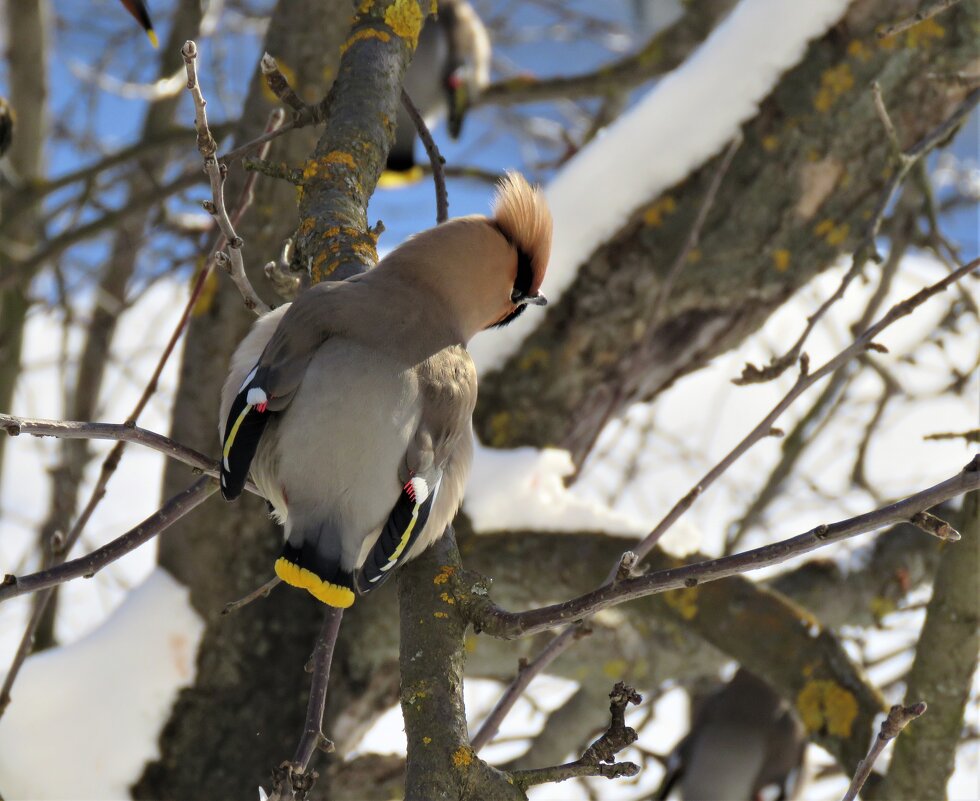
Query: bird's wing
x=271 y=383
x=447 y=387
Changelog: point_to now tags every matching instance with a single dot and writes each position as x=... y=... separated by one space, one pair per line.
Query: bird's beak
x=536 y=300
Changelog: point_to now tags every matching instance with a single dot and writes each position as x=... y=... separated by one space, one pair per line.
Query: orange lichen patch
x=859 y=50
x=307 y=226
x=924 y=34
x=364 y=6
x=780 y=260
x=440 y=615
x=444 y=574
x=684 y=602
x=826 y=706
x=770 y=143
x=834 y=82
x=405 y=18
x=832 y=233
x=447 y=598
x=654 y=215
x=364 y=34
x=463 y=756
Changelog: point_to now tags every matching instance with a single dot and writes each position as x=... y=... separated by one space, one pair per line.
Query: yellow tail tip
x=152 y=36
x=324 y=591
x=395 y=180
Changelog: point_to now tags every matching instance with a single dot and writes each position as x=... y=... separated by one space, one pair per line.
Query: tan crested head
x=522 y=215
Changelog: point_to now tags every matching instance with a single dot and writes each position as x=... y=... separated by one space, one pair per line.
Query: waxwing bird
x=450 y=67
x=745 y=744
x=140 y=13
x=352 y=406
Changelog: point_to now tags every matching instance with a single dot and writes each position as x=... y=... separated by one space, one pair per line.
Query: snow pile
x=524 y=488
x=97 y=706
x=665 y=137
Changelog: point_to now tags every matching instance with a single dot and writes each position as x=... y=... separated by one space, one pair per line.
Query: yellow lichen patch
x=780 y=260
x=532 y=358
x=426 y=740
x=654 y=215
x=203 y=303
x=364 y=6
x=362 y=35
x=834 y=82
x=469 y=643
x=288 y=73
x=827 y=707
x=440 y=615
x=501 y=428
x=684 y=602
x=463 y=756
x=859 y=50
x=444 y=574
x=923 y=34
x=404 y=17
x=832 y=233
x=770 y=143
x=445 y=597
x=614 y=668
x=307 y=226
x=880 y=607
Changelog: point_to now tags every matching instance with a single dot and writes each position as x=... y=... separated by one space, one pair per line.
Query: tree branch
x=489 y=618
x=898 y=718
x=600 y=757
x=90 y=564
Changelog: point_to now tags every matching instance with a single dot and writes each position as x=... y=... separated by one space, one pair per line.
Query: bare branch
x=600 y=757
x=254 y=595
x=898 y=718
x=435 y=158
x=488 y=617
x=924 y=13
x=294 y=777
x=121 y=432
x=216 y=173
x=90 y=564
x=525 y=675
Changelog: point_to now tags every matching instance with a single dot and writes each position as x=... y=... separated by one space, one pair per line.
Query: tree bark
x=797 y=195
x=945 y=662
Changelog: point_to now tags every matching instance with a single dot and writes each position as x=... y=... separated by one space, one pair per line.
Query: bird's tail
x=310 y=563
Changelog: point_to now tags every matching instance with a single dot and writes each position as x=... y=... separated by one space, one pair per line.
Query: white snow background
x=127 y=690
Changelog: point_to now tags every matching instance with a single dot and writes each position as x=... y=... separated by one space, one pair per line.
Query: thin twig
x=898 y=718
x=90 y=564
x=295 y=777
x=216 y=173
x=866 y=249
x=927 y=12
x=497 y=622
x=695 y=233
x=435 y=158
x=526 y=673
x=803 y=382
x=279 y=85
x=254 y=595
x=121 y=432
x=599 y=758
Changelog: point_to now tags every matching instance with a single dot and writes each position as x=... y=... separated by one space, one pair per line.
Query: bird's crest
x=522 y=215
